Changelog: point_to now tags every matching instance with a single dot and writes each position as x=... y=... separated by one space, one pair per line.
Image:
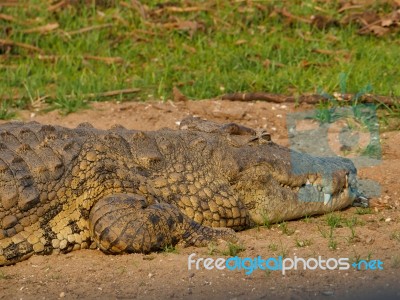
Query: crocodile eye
x=260 y=138
x=266 y=136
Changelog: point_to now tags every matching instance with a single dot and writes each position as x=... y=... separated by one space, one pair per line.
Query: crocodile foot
x=127 y=223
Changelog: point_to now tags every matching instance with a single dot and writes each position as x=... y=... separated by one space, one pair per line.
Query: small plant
x=285 y=229
x=357 y=257
x=4 y=276
x=303 y=243
x=369 y=256
x=5 y=111
x=395 y=236
x=170 y=249
x=268 y=272
x=273 y=247
x=363 y=211
x=55 y=276
x=122 y=270
x=331 y=232
x=266 y=222
x=351 y=223
x=332 y=244
x=396 y=262
x=279 y=249
x=283 y=251
x=353 y=237
x=323 y=232
x=233 y=249
x=212 y=248
x=334 y=220
x=307 y=219
x=70 y=105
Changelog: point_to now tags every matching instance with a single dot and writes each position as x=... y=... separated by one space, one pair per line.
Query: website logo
x=249 y=265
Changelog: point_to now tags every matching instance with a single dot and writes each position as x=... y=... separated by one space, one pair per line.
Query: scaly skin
x=131 y=191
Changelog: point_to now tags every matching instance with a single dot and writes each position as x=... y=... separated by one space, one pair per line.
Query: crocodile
x=125 y=191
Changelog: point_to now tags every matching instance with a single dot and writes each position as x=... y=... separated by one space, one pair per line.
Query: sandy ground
x=94 y=275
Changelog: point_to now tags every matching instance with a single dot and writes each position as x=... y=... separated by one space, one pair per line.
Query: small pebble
x=62 y=295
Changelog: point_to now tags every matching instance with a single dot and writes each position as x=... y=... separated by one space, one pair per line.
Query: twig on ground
x=8 y=18
x=12 y=4
x=310 y=99
x=21 y=45
x=42 y=29
x=288 y=15
x=90 y=28
x=175 y=9
x=136 y=5
x=58 y=5
x=107 y=60
x=84 y=96
x=348 y=7
x=108 y=93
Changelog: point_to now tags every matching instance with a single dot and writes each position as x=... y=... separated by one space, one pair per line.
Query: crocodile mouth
x=326 y=188
x=277 y=196
x=316 y=188
x=284 y=192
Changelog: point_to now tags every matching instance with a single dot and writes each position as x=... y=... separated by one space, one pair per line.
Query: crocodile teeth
x=327 y=198
x=312 y=178
x=346 y=184
x=308 y=182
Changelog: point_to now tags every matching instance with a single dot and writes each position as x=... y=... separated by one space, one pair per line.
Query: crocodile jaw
x=295 y=186
x=268 y=203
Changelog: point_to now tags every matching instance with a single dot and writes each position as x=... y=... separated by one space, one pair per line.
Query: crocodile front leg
x=126 y=223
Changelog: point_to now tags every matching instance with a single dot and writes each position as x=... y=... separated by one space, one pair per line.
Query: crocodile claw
x=361 y=201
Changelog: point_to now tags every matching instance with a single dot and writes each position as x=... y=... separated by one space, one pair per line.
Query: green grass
x=333 y=220
x=332 y=244
x=303 y=243
x=395 y=262
x=363 y=211
x=170 y=249
x=5 y=111
x=280 y=250
x=212 y=248
x=224 y=51
x=285 y=229
x=307 y=219
x=357 y=257
x=395 y=236
x=266 y=221
x=233 y=249
x=351 y=223
x=4 y=276
x=273 y=247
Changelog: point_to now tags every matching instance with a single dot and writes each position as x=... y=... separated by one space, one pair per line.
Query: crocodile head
x=276 y=183
x=279 y=184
